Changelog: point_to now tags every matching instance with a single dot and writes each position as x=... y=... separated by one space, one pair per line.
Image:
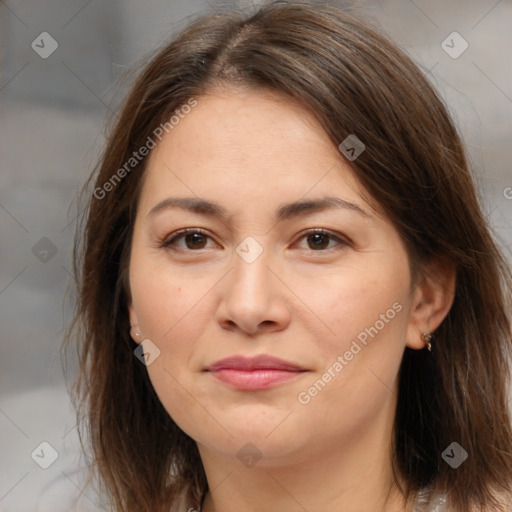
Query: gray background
x=53 y=116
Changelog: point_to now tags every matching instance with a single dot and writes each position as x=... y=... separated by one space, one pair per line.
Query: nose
x=253 y=299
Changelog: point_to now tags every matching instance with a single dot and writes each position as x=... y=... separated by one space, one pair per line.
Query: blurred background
x=61 y=81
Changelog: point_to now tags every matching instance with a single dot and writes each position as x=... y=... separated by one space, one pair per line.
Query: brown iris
x=319 y=241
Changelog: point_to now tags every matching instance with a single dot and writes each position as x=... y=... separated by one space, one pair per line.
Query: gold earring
x=427 y=338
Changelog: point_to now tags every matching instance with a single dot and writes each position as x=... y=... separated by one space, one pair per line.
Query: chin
x=256 y=448
x=273 y=436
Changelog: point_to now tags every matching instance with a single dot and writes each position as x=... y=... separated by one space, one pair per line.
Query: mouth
x=254 y=373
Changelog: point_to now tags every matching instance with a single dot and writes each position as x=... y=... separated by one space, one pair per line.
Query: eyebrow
x=284 y=212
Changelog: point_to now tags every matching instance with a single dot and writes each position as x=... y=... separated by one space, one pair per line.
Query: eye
x=194 y=239
x=318 y=240
x=321 y=239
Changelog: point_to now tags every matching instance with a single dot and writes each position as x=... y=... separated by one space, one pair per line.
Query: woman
x=289 y=298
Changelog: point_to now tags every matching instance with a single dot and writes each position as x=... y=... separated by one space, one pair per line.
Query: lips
x=262 y=362
x=254 y=373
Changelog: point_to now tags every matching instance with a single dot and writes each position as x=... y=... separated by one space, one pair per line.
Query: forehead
x=247 y=143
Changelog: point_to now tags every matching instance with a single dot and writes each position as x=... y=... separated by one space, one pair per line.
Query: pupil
x=320 y=241
x=195 y=241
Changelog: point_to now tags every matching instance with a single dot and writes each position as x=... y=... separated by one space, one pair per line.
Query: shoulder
x=428 y=501
x=439 y=503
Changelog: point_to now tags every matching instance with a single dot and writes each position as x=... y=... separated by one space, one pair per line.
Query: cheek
x=362 y=303
x=365 y=306
x=172 y=315
x=361 y=360
x=165 y=300
x=367 y=313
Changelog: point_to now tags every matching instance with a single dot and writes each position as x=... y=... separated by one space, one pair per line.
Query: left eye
x=319 y=240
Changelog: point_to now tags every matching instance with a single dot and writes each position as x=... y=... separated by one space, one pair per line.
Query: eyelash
x=168 y=242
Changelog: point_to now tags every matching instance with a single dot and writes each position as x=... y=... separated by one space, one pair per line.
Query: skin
x=251 y=152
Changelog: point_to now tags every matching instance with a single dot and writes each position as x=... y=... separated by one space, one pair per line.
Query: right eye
x=194 y=239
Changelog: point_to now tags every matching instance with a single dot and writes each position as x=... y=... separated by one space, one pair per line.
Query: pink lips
x=254 y=373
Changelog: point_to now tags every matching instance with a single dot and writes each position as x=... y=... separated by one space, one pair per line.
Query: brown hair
x=414 y=166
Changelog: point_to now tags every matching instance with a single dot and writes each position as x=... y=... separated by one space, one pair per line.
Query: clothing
x=425 y=502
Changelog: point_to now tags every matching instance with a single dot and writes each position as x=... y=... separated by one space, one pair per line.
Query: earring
x=137 y=333
x=427 y=338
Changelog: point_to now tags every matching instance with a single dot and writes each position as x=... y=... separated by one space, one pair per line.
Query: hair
x=354 y=81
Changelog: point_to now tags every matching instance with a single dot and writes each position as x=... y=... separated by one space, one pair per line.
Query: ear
x=134 y=325
x=432 y=299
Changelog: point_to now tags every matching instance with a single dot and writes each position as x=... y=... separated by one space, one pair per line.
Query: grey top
x=427 y=503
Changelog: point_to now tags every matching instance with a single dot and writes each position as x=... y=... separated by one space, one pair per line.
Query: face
x=281 y=258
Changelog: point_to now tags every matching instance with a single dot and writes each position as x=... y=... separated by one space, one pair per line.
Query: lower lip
x=254 y=379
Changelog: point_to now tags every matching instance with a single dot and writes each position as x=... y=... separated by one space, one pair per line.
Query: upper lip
x=261 y=362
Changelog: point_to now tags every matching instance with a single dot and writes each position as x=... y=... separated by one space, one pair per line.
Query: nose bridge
x=251 y=299
x=251 y=274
